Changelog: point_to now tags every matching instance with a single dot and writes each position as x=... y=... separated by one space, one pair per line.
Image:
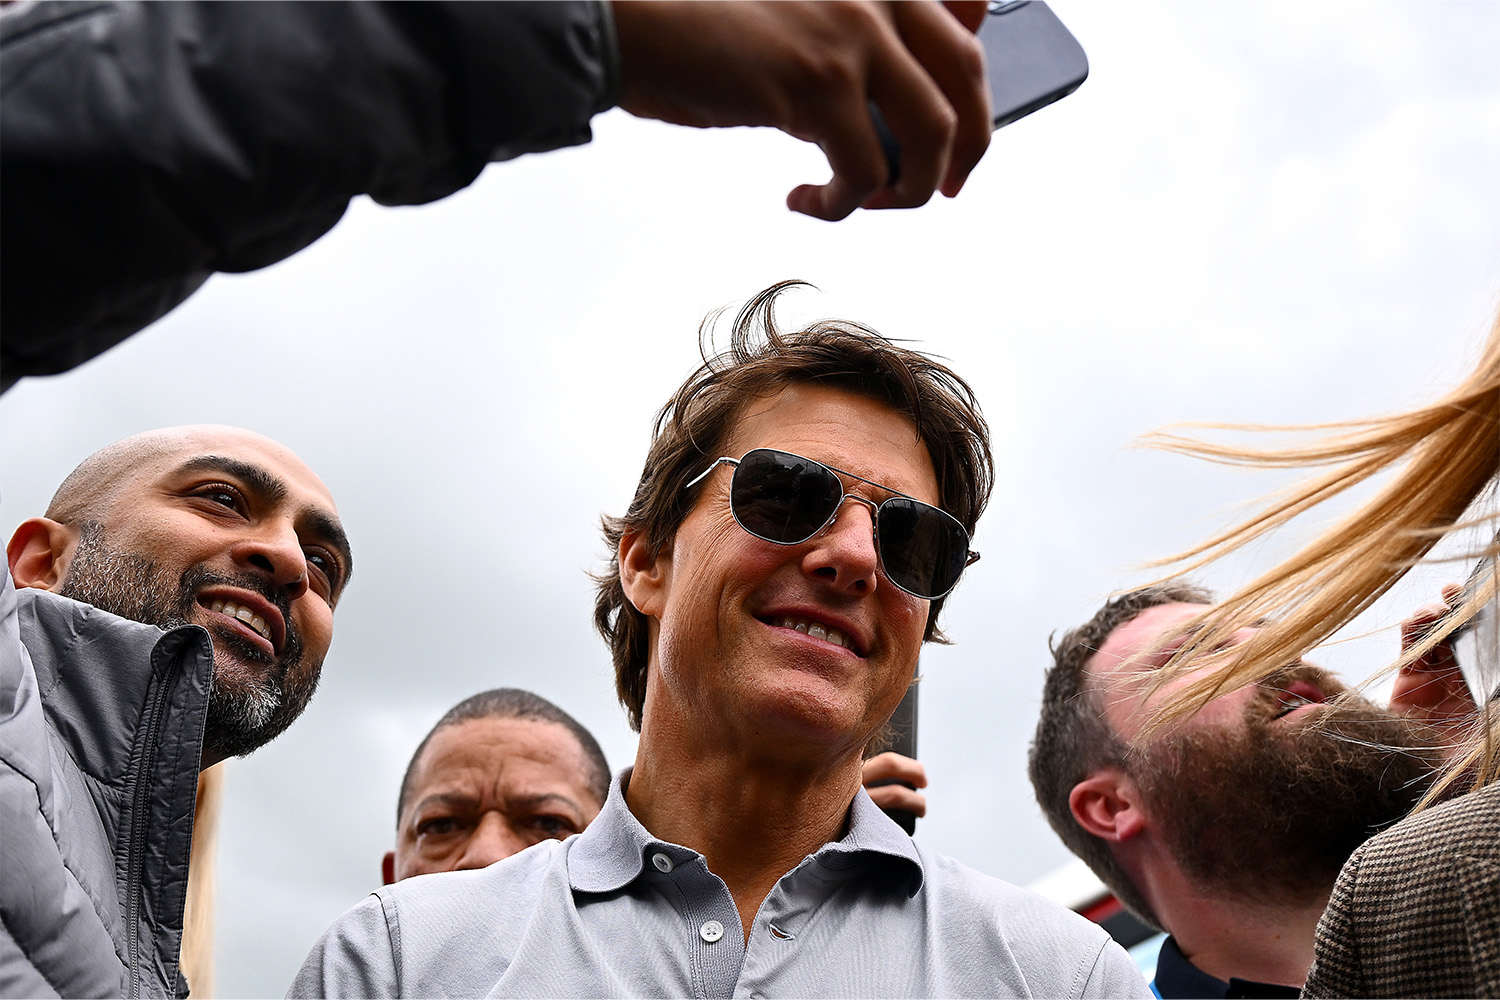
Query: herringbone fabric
x=1416 y=911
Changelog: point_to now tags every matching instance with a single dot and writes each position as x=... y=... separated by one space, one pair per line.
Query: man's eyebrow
x=253 y=476
x=453 y=800
x=542 y=799
x=1173 y=643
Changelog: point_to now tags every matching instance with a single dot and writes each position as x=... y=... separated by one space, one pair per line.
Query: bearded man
x=174 y=608
x=1229 y=830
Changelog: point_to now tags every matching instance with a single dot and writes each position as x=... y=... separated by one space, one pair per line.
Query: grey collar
x=616 y=849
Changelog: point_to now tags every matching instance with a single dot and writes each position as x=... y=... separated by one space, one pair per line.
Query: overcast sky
x=1264 y=212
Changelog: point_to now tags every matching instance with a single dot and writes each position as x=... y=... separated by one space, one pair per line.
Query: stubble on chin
x=254 y=696
x=1270 y=812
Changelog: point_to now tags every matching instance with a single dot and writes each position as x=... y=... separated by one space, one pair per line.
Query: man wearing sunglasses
x=804 y=509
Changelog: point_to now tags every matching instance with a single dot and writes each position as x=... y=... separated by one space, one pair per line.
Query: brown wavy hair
x=760 y=361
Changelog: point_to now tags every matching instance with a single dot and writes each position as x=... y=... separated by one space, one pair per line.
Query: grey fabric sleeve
x=357 y=957
x=1115 y=975
x=145 y=146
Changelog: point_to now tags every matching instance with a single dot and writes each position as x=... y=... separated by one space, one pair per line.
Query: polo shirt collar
x=616 y=848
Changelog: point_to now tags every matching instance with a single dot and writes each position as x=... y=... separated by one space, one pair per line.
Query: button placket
x=715 y=954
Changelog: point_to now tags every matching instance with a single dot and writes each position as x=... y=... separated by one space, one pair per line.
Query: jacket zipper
x=138 y=837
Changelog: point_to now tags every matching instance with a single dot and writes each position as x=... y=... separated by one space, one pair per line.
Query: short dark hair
x=514 y=703
x=1073 y=739
x=762 y=360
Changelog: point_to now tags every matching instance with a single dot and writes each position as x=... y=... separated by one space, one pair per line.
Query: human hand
x=895 y=767
x=809 y=69
x=1431 y=689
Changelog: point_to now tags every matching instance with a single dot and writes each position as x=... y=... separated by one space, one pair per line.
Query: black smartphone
x=901 y=737
x=1032 y=60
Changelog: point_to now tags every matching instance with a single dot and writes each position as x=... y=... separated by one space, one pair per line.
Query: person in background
x=1414 y=911
x=1228 y=831
x=505 y=769
x=803 y=511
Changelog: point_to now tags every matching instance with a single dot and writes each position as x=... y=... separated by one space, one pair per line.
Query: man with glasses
x=804 y=510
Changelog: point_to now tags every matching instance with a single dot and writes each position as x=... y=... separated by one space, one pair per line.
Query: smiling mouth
x=257 y=624
x=812 y=629
x=1295 y=696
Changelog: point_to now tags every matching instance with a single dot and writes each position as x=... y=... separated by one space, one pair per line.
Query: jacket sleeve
x=1337 y=967
x=145 y=146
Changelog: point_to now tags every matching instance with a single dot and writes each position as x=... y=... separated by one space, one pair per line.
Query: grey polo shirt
x=617 y=912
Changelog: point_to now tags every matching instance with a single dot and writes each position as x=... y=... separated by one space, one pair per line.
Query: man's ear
x=643 y=575
x=388 y=868
x=1107 y=805
x=39 y=553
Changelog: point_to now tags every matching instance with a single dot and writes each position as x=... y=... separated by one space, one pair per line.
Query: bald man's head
x=213 y=526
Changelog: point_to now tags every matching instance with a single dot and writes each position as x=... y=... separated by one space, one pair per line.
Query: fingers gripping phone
x=1031 y=58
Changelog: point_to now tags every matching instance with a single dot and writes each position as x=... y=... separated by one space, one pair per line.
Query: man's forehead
x=814 y=420
x=493 y=747
x=499 y=738
x=1136 y=644
x=234 y=450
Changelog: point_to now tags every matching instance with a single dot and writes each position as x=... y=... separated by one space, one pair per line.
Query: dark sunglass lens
x=922 y=549
x=782 y=498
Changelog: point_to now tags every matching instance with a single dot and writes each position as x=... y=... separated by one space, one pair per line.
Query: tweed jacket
x=1416 y=911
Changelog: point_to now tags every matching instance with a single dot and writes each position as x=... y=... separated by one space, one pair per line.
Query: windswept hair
x=1073 y=738
x=761 y=360
x=514 y=703
x=1444 y=458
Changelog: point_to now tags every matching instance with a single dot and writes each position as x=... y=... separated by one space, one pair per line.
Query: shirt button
x=711 y=931
x=662 y=862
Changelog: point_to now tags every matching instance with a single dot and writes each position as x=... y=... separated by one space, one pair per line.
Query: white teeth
x=814 y=629
x=245 y=615
x=1292 y=702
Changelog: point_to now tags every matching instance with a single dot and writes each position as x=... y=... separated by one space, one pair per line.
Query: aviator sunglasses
x=787 y=499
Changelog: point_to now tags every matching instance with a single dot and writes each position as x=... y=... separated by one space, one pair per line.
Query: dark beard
x=242 y=715
x=1270 y=813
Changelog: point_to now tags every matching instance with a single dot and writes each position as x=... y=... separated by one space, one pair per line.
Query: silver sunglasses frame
x=970 y=559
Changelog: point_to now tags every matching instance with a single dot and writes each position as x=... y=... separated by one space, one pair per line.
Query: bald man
x=171 y=609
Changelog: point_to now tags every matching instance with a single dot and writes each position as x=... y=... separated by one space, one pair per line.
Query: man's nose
x=843 y=554
x=493 y=840
x=273 y=550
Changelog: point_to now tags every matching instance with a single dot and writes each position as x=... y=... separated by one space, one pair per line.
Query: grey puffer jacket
x=101 y=735
x=145 y=146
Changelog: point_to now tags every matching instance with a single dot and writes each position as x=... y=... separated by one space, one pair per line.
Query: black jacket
x=145 y=146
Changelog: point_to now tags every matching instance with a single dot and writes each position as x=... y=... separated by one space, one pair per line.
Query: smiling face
x=487 y=788
x=225 y=529
x=760 y=644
